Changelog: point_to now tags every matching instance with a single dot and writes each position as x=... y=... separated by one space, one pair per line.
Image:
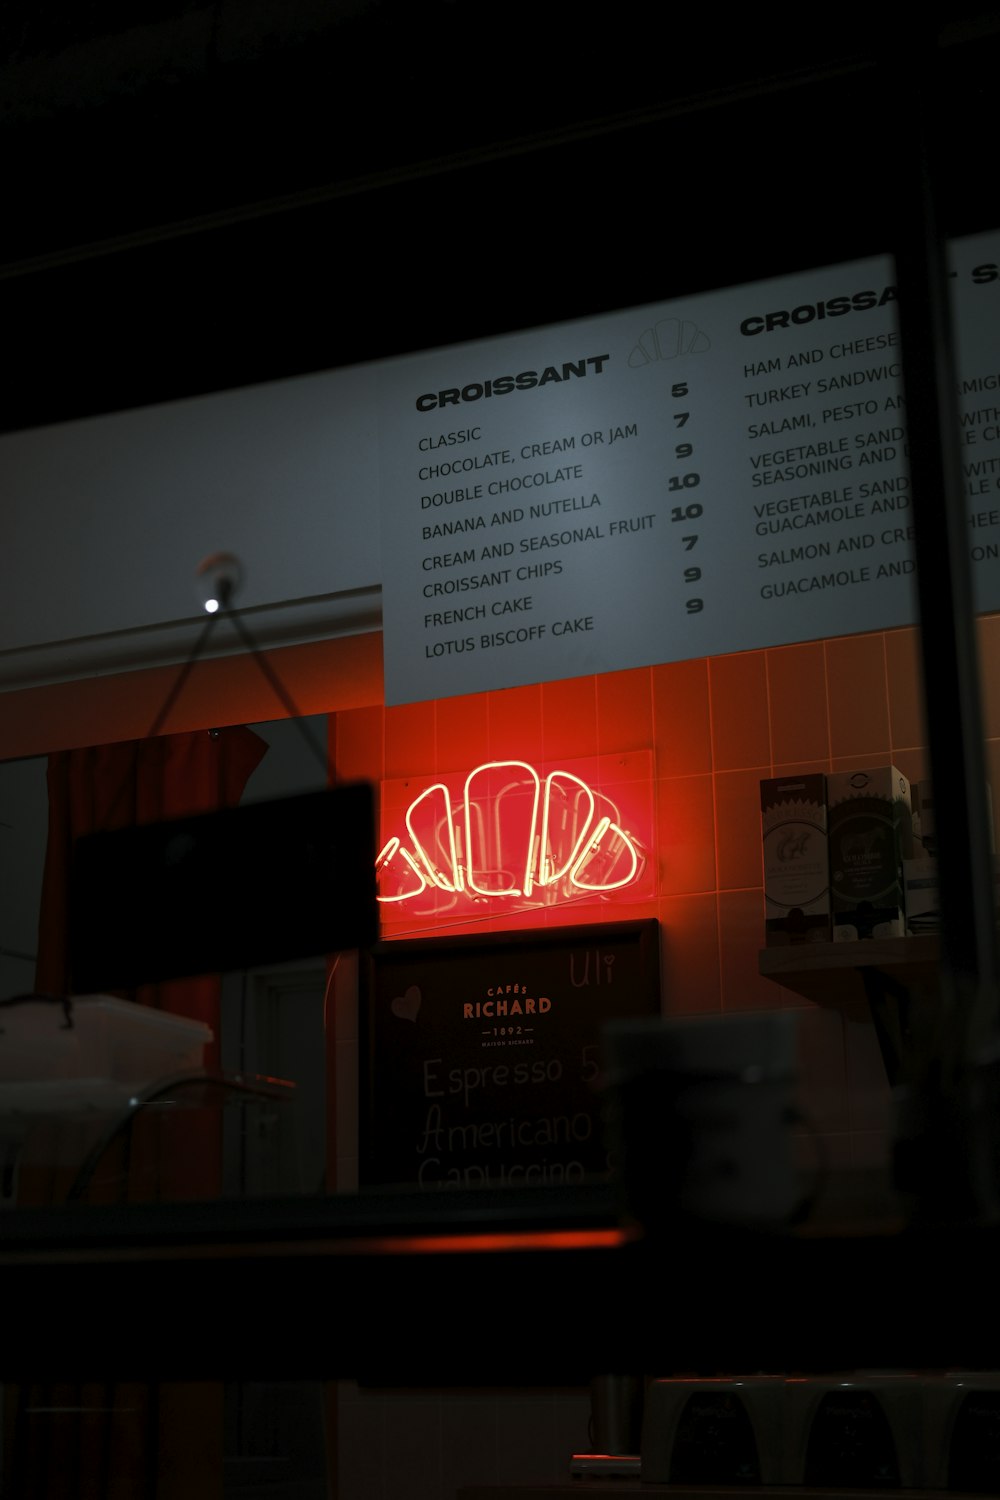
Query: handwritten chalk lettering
x=466 y=1082
x=433 y=1174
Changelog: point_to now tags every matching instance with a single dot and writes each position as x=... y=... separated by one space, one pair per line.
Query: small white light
x=220 y=577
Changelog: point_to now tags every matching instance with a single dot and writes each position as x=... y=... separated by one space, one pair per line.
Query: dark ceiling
x=236 y=191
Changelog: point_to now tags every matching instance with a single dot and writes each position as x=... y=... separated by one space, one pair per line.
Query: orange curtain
x=104 y=787
x=80 y=1441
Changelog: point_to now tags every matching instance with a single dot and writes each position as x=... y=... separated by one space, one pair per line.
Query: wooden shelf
x=836 y=973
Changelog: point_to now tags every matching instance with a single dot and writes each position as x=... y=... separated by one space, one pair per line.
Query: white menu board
x=696 y=477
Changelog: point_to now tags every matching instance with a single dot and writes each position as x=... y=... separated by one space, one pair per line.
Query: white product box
x=853 y=1432
x=713 y=1432
x=870 y=831
x=796 y=860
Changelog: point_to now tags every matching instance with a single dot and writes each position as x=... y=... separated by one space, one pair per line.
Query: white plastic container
x=854 y=1431
x=961 y=1431
x=726 y=1431
x=91 y=1053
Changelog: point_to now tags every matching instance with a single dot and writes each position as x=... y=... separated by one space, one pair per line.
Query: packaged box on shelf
x=796 y=860
x=869 y=823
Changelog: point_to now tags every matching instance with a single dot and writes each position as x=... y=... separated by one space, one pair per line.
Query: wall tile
x=462 y=732
x=689 y=955
x=625 y=710
x=741 y=937
x=741 y=733
x=988 y=633
x=685 y=827
x=800 y=727
x=682 y=727
x=569 y=718
x=856 y=683
x=737 y=828
x=515 y=718
x=359 y=744
x=410 y=740
x=904 y=673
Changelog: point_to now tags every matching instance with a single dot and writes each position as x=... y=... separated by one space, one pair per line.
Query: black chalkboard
x=480 y=1056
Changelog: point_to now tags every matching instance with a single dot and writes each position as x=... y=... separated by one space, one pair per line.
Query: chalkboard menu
x=481 y=1056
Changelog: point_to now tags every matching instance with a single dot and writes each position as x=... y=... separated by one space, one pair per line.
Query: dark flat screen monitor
x=262 y=883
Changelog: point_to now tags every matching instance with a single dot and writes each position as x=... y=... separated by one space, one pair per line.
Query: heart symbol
x=406 y=1006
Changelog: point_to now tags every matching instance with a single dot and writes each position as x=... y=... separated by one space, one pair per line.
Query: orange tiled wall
x=715 y=728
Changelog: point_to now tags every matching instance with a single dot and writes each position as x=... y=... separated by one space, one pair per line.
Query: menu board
x=684 y=479
x=482 y=1061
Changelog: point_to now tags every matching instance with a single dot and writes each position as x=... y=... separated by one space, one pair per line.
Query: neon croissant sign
x=510 y=834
